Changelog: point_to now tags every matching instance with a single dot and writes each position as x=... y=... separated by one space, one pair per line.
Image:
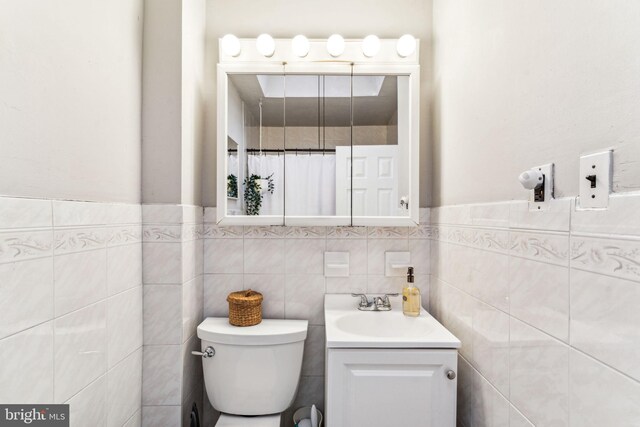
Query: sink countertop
x=348 y=327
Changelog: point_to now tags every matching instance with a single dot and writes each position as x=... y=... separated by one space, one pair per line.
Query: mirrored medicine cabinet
x=318 y=144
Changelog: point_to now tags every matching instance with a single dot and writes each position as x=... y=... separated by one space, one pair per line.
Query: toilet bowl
x=254 y=371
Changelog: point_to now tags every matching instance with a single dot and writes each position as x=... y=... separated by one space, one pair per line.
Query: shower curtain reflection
x=309 y=188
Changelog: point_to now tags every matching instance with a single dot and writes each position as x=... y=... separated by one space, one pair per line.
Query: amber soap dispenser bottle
x=410 y=297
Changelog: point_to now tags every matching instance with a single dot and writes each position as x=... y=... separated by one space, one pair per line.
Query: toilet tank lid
x=268 y=332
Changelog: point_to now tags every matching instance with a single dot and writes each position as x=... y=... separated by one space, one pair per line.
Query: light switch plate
x=396 y=263
x=336 y=264
x=596 y=165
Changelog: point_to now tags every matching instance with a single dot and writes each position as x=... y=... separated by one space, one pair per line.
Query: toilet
x=253 y=374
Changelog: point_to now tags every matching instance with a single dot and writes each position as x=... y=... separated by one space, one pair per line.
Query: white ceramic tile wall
x=546 y=305
x=71 y=308
x=173 y=308
x=286 y=265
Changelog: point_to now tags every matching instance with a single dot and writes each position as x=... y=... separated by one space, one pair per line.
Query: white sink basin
x=348 y=327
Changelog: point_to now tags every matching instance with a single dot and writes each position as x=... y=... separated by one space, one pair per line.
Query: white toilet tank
x=255 y=369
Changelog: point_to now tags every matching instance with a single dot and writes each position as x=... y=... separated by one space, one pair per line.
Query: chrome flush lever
x=208 y=352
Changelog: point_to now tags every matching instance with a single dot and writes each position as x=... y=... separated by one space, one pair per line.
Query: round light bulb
x=300 y=46
x=406 y=45
x=370 y=46
x=335 y=45
x=231 y=45
x=266 y=45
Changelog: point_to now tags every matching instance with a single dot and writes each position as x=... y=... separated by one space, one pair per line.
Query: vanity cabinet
x=391 y=387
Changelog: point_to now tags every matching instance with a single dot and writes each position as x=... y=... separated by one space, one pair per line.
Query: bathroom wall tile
x=357 y=249
x=264 y=232
x=161 y=376
x=421 y=231
x=161 y=233
x=466 y=395
x=264 y=256
x=209 y=215
x=616 y=257
x=161 y=214
x=376 y=249
x=346 y=285
x=271 y=286
x=216 y=289
x=314 y=349
x=80 y=279
x=27 y=359
x=491 y=345
x=26 y=294
x=491 y=408
x=346 y=232
x=539 y=295
x=489 y=214
x=23 y=245
x=162 y=262
x=385 y=285
x=192 y=374
x=192 y=214
x=124 y=268
x=124 y=325
x=162 y=314
x=123 y=213
x=69 y=240
x=305 y=232
x=189 y=256
x=123 y=235
x=420 y=253
x=516 y=419
x=67 y=213
x=539 y=366
x=25 y=213
x=621 y=217
x=135 y=420
x=80 y=349
x=387 y=232
x=600 y=396
x=212 y=231
x=124 y=389
x=555 y=218
x=457 y=316
x=304 y=256
x=192 y=306
x=223 y=256
x=304 y=298
x=454 y=214
x=89 y=406
x=544 y=247
x=605 y=319
x=161 y=416
x=491 y=239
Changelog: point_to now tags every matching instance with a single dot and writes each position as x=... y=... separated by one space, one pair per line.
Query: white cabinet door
x=390 y=387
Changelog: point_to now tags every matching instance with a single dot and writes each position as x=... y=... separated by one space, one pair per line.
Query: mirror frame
x=335 y=68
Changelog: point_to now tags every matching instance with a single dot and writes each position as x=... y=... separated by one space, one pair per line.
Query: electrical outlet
x=595 y=180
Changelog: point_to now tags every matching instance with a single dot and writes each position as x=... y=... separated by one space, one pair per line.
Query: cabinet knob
x=451 y=375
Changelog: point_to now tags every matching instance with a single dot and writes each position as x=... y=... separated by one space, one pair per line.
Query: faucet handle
x=386 y=301
x=364 y=301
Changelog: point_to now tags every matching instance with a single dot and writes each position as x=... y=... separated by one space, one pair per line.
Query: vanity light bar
x=336 y=47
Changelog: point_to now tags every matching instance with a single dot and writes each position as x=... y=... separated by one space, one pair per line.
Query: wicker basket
x=245 y=308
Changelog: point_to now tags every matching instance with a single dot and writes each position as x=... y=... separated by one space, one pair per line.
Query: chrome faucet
x=379 y=303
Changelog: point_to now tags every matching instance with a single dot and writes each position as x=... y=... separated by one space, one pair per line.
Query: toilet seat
x=226 y=420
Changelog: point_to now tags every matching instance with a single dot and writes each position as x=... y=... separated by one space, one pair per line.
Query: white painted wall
x=172 y=111
x=523 y=83
x=315 y=19
x=70 y=99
